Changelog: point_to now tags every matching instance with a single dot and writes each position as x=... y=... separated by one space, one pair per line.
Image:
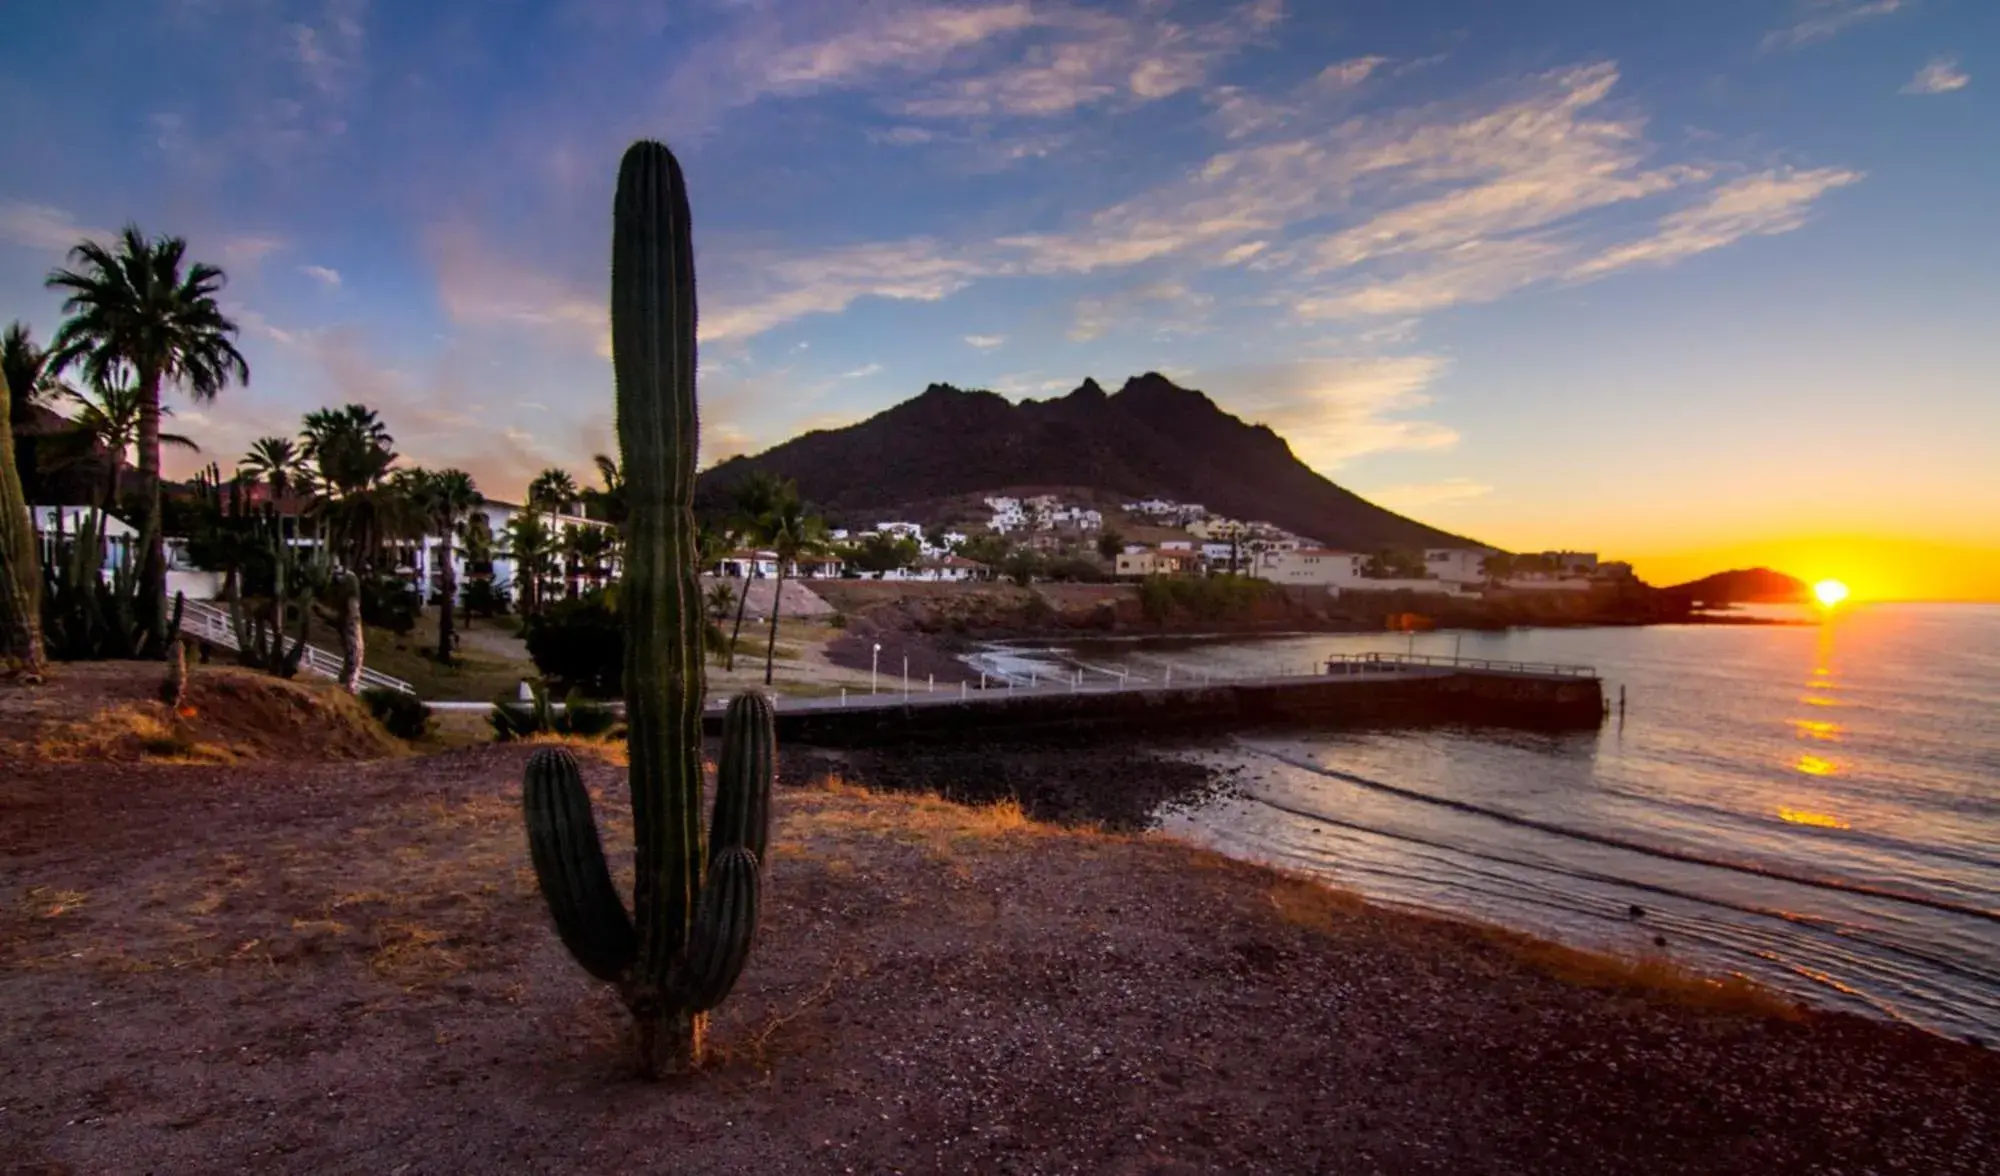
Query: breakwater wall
x=1473 y=698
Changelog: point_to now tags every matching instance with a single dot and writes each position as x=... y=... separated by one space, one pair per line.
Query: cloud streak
x=1940 y=75
x=1823 y=20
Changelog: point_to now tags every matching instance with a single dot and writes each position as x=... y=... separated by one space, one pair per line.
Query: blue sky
x=1661 y=279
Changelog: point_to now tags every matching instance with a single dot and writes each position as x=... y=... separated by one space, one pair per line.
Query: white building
x=763 y=565
x=1315 y=566
x=1464 y=566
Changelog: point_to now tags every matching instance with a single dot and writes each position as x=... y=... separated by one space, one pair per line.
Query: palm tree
x=793 y=531
x=134 y=304
x=278 y=462
x=753 y=501
x=109 y=416
x=611 y=499
x=589 y=550
x=718 y=602
x=349 y=455
x=30 y=379
x=529 y=544
x=29 y=382
x=551 y=490
x=446 y=497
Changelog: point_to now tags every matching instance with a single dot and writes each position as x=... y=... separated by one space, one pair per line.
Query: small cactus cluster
x=694 y=913
x=241 y=538
x=87 y=615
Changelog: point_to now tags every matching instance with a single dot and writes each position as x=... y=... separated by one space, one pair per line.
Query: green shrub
x=1209 y=598
x=483 y=598
x=579 y=645
x=390 y=603
x=404 y=715
x=518 y=720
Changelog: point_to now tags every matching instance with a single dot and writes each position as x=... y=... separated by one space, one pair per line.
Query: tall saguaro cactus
x=696 y=899
x=20 y=570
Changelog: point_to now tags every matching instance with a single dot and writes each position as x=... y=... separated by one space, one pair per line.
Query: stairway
x=206 y=622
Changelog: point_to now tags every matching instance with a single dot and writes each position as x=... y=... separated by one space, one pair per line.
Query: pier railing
x=1361 y=663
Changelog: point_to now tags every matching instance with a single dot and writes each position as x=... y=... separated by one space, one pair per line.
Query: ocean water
x=1816 y=807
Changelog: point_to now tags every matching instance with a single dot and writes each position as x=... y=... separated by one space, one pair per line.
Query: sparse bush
x=403 y=715
x=1075 y=569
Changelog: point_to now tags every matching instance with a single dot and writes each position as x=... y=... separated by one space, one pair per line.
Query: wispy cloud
x=862 y=372
x=1334 y=410
x=759 y=291
x=1170 y=308
x=43 y=226
x=985 y=342
x=1089 y=56
x=1769 y=202
x=1822 y=20
x=1940 y=75
x=1414 y=497
x=330 y=51
x=478 y=287
x=324 y=275
x=1345 y=75
x=245 y=251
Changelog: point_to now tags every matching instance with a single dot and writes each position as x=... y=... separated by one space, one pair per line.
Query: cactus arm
x=725 y=926
x=744 y=773
x=569 y=863
x=653 y=358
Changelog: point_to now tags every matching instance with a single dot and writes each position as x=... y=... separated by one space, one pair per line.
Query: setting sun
x=1830 y=592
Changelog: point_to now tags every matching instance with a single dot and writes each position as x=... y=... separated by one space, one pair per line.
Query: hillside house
x=1145 y=562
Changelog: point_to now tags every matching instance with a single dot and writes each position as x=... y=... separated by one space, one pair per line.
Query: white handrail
x=209 y=623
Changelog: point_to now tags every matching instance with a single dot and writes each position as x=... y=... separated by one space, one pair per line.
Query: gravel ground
x=346 y=968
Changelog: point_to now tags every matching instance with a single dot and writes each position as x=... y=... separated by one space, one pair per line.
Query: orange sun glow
x=1830 y=592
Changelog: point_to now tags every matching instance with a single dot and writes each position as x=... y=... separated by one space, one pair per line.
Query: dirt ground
x=304 y=965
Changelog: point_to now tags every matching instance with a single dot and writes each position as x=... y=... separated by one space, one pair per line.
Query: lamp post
x=874 y=661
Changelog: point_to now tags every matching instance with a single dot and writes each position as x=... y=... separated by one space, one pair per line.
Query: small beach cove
x=1808 y=805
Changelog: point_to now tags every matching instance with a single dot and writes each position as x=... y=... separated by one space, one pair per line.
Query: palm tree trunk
x=777 y=598
x=742 y=601
x=153 y=564
x=450 y=594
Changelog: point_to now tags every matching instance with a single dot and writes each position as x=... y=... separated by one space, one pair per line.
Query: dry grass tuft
x=236 y=716
x=610 y=751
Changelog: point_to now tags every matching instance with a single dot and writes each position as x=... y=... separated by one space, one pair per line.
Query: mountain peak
x=1153 y=389
x=1152 y=439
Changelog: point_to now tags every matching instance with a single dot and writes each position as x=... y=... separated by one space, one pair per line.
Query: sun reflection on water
x=1798 y=816
x=1813 y=765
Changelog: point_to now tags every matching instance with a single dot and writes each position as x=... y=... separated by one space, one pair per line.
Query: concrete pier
x=1373 y=690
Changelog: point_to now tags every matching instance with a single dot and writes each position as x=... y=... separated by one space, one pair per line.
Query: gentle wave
x=1761 y=871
